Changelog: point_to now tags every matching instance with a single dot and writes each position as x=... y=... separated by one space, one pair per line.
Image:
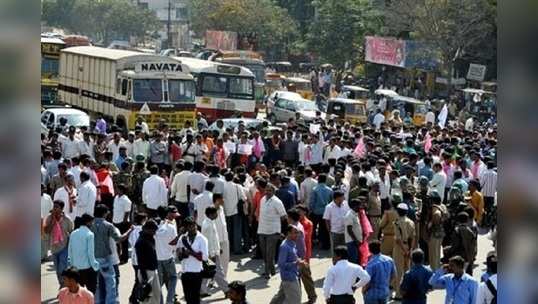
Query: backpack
x=493 y=291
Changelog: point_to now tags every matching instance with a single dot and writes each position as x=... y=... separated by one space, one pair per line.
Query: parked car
x=286 y=106
x=50 y=117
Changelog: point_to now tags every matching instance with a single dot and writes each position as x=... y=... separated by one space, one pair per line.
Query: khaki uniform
x=125 y=178
x=387 y=229
x=137 y=182
x=374 y=213
x=404 y=231
x=436 y=238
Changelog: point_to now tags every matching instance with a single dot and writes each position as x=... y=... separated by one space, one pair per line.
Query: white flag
x=441 y=118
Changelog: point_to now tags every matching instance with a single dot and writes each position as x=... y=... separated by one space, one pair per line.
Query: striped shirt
x=488 y=182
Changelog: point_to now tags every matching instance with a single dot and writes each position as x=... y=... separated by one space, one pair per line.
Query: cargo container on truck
x=125 y=84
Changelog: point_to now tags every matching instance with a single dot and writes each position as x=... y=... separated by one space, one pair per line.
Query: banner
x=221 y=40
x=389 y=51
x=476 y=72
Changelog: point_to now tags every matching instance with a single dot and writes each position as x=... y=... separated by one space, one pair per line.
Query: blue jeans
x=60 y=263
x=106 y=282
x=168 y=275
x=234 y=232
x=375 y=300
x=353 y=252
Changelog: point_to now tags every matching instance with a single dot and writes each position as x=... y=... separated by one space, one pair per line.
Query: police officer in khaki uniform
x=387 y=226
x=404 y=242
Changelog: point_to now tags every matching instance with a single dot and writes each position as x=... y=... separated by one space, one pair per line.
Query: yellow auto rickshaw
x=355 y=92
x=416 y=108
x=301 y=86
x=346 y=109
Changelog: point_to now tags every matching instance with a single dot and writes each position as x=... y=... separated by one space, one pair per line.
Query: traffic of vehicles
x=285 y=106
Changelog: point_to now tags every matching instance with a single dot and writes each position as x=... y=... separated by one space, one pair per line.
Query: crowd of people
x=398 y=206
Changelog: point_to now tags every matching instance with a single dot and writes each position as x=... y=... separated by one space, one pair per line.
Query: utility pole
x=168 y=24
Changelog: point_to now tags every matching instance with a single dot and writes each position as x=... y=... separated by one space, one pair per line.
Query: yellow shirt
x=477 y=202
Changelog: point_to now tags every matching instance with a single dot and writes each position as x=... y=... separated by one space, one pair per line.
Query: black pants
x=107 y=199
x=124 y=246
x=132 y=297
x=385 y=205
x=489 y=201
x=341 y=299
x=88 y=278
x=183 y=209
x=321 y=233
x=191 y=282
x=152 y=213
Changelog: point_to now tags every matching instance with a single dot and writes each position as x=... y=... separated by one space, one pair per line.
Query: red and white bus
x=222 y=90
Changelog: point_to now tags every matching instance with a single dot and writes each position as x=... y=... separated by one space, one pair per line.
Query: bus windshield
x=258 y=70
x=181 y=90
x=145 y=90
x=227 y=86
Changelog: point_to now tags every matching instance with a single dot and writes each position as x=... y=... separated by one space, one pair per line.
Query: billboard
x=476 y=72
x=400 y=53
x=389 y=51
x=221 y=40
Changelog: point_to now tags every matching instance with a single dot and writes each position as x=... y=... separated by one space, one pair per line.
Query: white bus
x=119 y=83
x=222 y=90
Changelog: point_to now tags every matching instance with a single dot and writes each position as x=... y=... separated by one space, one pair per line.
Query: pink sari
x=367 y=231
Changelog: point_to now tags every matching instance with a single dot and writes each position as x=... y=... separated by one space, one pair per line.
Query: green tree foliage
x=302 y=11
x=337 y=33
x=271 y=23
x=452 y=27
x=103 y=20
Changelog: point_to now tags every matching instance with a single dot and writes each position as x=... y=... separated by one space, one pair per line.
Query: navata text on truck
x=124 y=84
x=222 y=90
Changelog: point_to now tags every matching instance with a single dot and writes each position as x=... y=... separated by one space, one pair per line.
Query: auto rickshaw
x=346 y=109
x=302 y=86
x=405 y=105
x=356 y=92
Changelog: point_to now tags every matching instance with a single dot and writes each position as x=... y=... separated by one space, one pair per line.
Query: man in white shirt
x=216 y=179
x=209 y=230
x=201 y=202
x=222 y=230
x=142 y=124
x=341 y=280
x=193 y=249
x=141 y=146
x=165 y=238
x=190 y=149
x=114 y=146
x=197 y=179
x=488 y=185
x=439 y=179
x=334 y=218
x=85 y=146
x=353 y=231
x=121 y=211
x=87 y=194
x=70 y=146
x=232 y=194
x=180 y=189
x=332 y=151
x=68 y=195
x=272 y=213
x=378 y=119
x=129 y=144
x=75 y=170
x=307 y=186
x=469 y=124
x=430 y=118
x=154 y=192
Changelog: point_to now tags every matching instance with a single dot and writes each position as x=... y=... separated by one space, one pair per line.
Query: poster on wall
x=389 y=51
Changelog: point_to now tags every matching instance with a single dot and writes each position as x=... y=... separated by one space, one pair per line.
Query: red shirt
x=308 y=227
x=175 y=151
x=256 y=203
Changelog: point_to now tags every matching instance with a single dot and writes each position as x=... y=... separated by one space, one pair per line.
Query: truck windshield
x=145 y=90
x=181 y=90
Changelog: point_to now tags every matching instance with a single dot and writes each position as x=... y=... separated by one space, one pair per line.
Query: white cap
x=402 y=206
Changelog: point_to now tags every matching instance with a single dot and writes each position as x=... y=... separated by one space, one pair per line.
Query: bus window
x=181 y=90
x=147 y=90
x=214 y=85
x=124 y=87
x=241 y=86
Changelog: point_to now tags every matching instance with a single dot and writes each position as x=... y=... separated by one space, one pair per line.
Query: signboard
x=420 y=55
x=476 y=72
x=144 y=110
x=158 y=67
x=389 y=51
x=221 y=40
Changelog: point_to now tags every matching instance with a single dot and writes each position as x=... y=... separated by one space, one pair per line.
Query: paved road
x=260 y=291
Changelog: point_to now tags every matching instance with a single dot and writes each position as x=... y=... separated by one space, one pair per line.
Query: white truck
x=124 y=84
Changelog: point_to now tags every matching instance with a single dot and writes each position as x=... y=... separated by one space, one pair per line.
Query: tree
x=336 y=35
x=271 y=23
x=452 y=27
x=103 y=20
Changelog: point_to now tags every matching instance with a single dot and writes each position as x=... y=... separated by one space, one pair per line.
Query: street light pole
x=168 y=24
